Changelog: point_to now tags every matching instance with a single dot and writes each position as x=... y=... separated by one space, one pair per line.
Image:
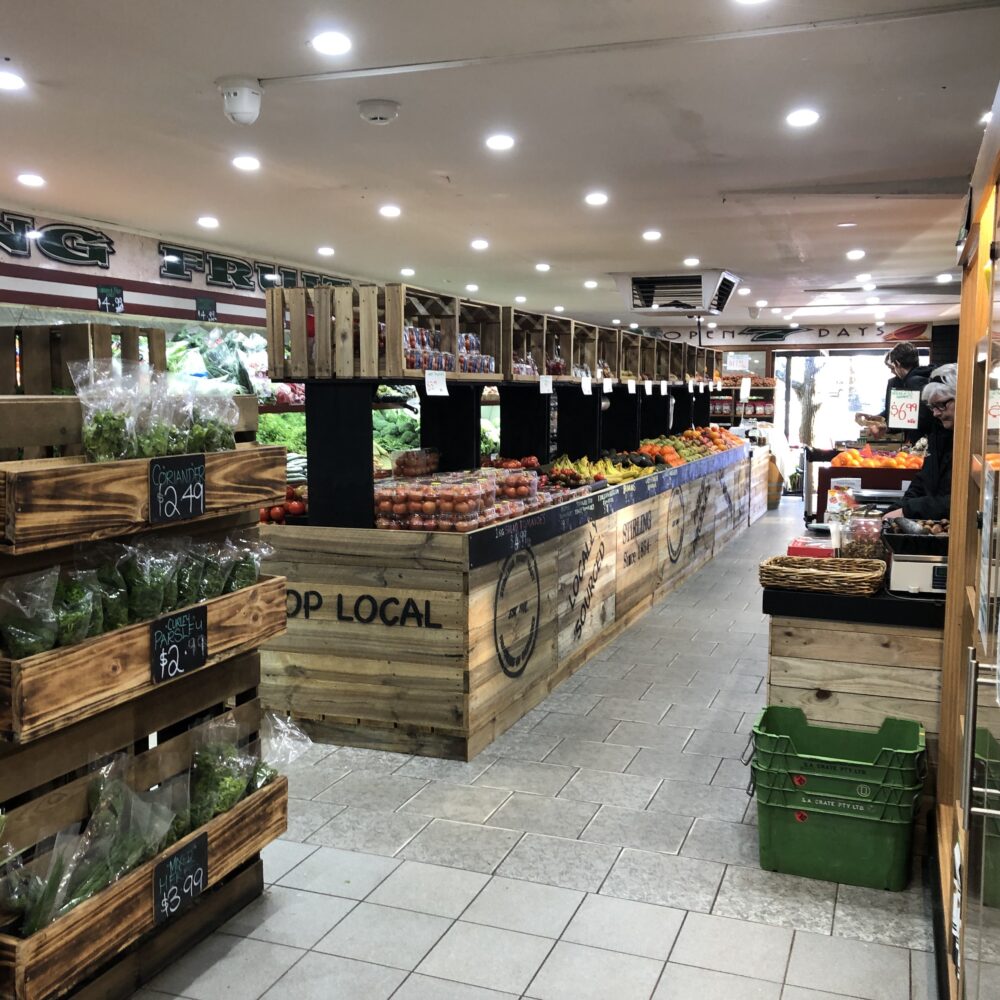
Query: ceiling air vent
x=691 y=294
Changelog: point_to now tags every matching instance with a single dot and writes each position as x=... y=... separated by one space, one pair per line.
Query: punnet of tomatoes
x=296 y=505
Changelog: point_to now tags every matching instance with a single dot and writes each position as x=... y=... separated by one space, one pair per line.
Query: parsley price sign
x=176 y=488
x=110 y=298
x=180 y=879
x=178 y=644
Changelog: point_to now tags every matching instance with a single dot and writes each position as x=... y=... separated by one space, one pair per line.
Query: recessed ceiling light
x=472 y=288
x=760 y=303
x=691 y=261
x=775 y=310
x=520 y=299
x=480 y=244
x=944 y=279
x=325 y=251
x=872 y=300
x=633 y=326
x=407 y=272
x=596 y=198
x=390 y=211
x=208 y=222
x=869 y=286
x=616 y=322
x=170 y=258
x=652 y=235
x=34 y=234
x=246 y=162
x=559 y=309
x=10 y=81
x=847 y=225
x=802 y=117
x=500 y=142
x=855 y=255
x=862 y=278
x=744 y=291
x=712 y=326
x=985 y=120
x=331 y=43
x=794 y=326
x=590 y=284
x=542 y=267
x=31 y=180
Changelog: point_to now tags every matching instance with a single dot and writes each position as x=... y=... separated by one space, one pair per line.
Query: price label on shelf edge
x=608 y=384
x=587 y=385
x=631 y=386
x=178 y=644
x=179 y=879
x=545 y=385
x=648 y=386
x=904 y=408
x=436 y=383
x=206 y=310
x=663 y=387
x=744 y=389
x=176 y=488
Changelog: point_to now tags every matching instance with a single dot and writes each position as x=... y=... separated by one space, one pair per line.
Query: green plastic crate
x=895 y=755
x=986 y=774
x=834 y=847
x=883 y=802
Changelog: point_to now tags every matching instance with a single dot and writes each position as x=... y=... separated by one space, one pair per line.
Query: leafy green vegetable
x=114 y=595
x=162 y=439
x=27 y=621
x=27 y=638
x=74 y=605
x=286 y=429
x=147 y=573
x=244 y=573
x=189 y=573
x=208 y=434
x=263 y=774
x=219 y=777
x=106 y=437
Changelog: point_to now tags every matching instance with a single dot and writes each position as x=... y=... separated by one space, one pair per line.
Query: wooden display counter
x=760 y=463
x=435 y=644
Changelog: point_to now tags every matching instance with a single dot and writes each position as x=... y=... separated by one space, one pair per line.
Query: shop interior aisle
x=603 y=848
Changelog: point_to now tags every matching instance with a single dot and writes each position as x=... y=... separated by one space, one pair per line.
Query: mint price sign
x=206 y=310
x=176 y=488
x=110 y=299
x=180 y=879
x=178 y=644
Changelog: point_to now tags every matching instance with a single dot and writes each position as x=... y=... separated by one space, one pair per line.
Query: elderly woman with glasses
x=929 y=495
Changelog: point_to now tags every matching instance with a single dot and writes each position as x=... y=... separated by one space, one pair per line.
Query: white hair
x=943 y=384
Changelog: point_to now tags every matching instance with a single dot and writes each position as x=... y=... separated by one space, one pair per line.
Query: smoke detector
x=379 y=111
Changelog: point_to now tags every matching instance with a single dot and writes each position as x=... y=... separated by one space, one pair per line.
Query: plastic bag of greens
x=251 y=550
x=89 y=580
x=170 y=549
x=110 y=397
x=28 y=623
x=74 y=609
x=219 y=558
x=220 y=773
x=105 y=561
x=164 y=427
x=15 y=883
x=177 y=794
x=190 y=566
x=147 y=571
x=214 y=419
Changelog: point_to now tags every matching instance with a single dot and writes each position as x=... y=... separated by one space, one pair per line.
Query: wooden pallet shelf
x=43 y=693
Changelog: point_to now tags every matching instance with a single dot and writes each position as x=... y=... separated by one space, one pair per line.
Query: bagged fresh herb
x=164 y=426
x=213 y=420
x=106 y=561
x=28 y=623
x=282 y=740
x=190 y=566
x=109 y=396
x=251 y=550
x=88 y=579
x=220 y=773
x=170 y=550
x=74 y=606
x=219 y=558
x=147 y=571
x=177 y=794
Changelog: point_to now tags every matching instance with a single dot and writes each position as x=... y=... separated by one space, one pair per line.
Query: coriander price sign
x=178 y=644
x=176 y=488
x=180 y=879
x=205 y=310
x=110 y=299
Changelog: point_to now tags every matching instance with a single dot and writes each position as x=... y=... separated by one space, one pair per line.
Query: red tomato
x=264 y=515
x=277 y=514
x=296 y=508
x=289 y=492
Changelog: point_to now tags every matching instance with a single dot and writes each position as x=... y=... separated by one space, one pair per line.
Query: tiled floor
x=603 y=848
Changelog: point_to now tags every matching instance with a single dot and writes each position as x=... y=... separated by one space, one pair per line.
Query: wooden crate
x=678 y=363
x=585 y=347
x=647 y=357
x=46 y=692
x=329 y=331
x=522 y=337
x=559 y=346
x=631 y=356
x=50 y=502
x=483 y=321
x=609 y=349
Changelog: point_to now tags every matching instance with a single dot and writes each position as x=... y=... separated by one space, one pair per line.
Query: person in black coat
x=907 y=373
x=929 y=495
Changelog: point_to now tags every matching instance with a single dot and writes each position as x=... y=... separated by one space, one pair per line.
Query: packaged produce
x=214 y=419
x=190 y=567
x=251 y=550
x=164 y=426
x=89 y=580
x=148 y=571
x=218 y=561
x=107 y=560
x=220 y=773
x=517 y=484
x=861 y=537
x=108 y=394
x=28 y=622
x=416 y=462
x=74 y=607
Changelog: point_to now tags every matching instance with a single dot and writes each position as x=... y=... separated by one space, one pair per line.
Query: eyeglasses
x=940 y=407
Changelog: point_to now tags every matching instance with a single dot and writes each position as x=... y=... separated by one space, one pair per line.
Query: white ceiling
x=687 y=135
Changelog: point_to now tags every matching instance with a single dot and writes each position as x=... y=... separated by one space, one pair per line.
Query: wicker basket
x=851 y=577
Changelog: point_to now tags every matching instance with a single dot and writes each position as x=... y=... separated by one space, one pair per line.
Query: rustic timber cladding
x=433 y=643
x=760 y=461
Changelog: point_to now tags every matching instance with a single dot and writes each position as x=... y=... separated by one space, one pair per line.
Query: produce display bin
x=895 y=755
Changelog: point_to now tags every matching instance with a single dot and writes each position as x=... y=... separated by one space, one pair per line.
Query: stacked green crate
x=986 y=774
x=837 y=804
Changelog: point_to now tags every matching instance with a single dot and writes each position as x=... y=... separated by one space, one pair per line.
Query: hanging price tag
x=587 y=385
x=690 y=385
x=631 y=386
x=436 y=383
x=993 y=424
x=608 y=384
x=110 y=299
x=663 y=387
x=648 y=387
x=702 y=386
x=545 y=385
x=205 y=310
x=744 y=389
x=904 y=408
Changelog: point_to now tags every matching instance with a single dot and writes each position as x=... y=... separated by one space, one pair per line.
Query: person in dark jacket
x=929 y=495
x=907 y=373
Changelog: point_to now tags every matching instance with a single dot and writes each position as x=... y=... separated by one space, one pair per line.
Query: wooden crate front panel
x=760 y=463
x=52 y=502
x=687 y=538
x=637 y=533
x=586 y=598
x=732 y=502
x=828 y=708
x=55 y=959
x=52 y=690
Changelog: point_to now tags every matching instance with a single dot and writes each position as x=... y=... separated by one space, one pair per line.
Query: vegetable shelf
x=40 y=694
x=50 y=502
x=55 y=959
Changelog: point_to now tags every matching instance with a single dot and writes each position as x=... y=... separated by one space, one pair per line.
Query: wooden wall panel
x=637 y=553
x=586 y=566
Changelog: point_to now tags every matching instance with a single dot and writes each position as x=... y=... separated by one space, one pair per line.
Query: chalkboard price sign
x=180 y=879
x=205 y=310
x=176 y=488
x=110 y=299
x=178 y=644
